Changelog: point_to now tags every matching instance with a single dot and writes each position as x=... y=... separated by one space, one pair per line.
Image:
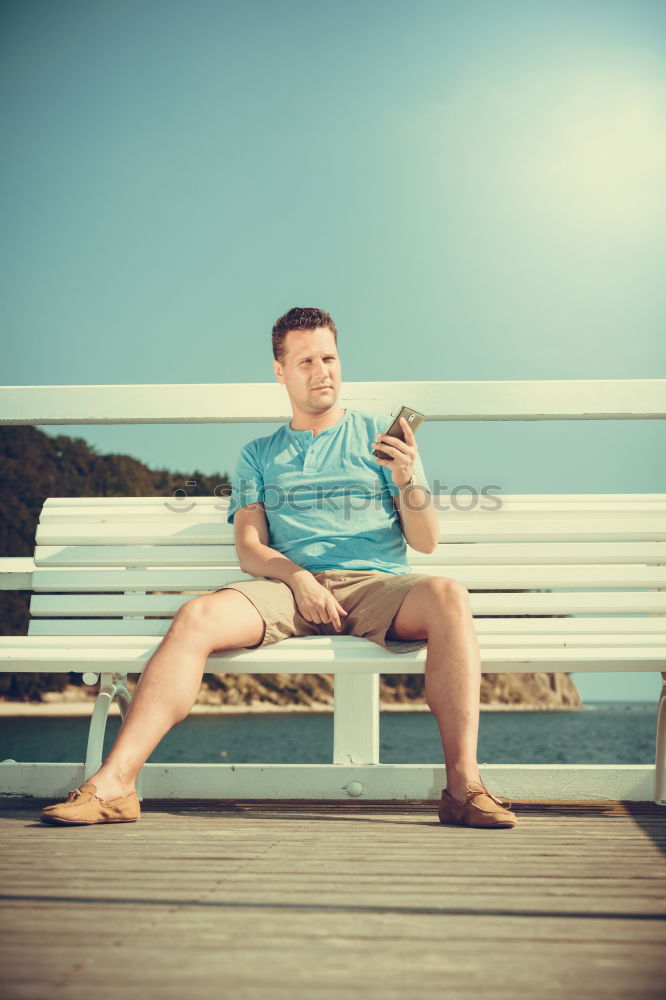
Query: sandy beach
x=62 y=709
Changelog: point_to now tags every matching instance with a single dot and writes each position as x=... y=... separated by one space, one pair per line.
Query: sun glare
x=597 y=157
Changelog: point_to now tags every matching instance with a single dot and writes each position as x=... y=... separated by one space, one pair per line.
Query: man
x=325 y=561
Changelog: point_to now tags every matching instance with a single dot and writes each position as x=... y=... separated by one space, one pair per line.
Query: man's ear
x=277 y=368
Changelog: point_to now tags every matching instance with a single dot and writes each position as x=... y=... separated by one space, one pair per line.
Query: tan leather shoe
x=480 y=808
x=83 y=807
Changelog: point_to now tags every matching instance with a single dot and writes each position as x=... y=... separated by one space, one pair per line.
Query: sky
x=472 y=190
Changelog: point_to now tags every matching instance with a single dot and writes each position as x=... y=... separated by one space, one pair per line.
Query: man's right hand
x=315 y=602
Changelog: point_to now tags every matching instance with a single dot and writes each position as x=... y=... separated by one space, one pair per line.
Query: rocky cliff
x=534 y=690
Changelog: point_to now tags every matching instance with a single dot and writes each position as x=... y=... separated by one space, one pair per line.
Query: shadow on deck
x=293 y=899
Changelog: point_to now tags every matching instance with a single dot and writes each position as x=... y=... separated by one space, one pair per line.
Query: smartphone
x=413 y=418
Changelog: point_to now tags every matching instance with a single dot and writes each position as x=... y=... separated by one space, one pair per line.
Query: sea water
x=603 y=733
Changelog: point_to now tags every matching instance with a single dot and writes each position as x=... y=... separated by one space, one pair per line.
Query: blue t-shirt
x=327 y=501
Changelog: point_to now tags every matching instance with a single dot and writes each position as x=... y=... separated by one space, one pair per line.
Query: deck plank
x=273 y=900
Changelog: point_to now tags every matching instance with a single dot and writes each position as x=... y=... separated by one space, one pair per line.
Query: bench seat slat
x=489 y=639
x=302 y=659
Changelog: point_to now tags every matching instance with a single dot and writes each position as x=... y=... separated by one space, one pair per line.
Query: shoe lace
x=76 y=793
x=484 y=791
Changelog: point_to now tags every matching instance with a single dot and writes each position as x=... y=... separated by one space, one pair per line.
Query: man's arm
x=418 y=517
x=256 y=557
x=254 y=553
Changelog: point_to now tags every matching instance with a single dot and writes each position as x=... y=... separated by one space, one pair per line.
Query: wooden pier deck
x=270 y=901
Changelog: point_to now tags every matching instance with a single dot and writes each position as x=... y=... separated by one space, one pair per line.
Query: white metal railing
x=260 y=402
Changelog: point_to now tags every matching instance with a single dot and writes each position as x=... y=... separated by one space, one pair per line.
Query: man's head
x=306 y=359
x=299 y=318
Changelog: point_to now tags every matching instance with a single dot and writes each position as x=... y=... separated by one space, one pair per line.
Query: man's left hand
x=404 y=453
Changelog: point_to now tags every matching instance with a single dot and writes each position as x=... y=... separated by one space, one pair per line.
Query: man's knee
x=193 y=618
x=195 y=611
x=445 y=594
x=225 y=619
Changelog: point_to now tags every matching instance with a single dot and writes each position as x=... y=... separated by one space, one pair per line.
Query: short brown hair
x=299 y=318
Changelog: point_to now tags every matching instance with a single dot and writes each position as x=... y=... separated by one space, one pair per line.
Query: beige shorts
x=371 y=600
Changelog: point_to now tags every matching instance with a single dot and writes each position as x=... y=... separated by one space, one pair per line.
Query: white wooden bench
x=109 y=573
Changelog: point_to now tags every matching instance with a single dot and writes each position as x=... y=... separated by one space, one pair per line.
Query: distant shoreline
x=73 y=709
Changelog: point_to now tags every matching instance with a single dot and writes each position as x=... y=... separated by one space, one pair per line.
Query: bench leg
x=356 y=722
x=124 y=699
x=112 y=686
x=660 y=749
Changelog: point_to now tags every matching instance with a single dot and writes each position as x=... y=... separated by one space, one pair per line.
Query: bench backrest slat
x=613 y=631
x=457 y=527
x=555 y=603
x=55 y=504
x=447 y=553
x=474 y=577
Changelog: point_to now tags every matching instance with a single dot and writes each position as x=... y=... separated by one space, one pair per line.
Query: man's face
x=310 y=369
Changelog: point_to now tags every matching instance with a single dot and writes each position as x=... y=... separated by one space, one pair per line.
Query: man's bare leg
x=170 y=682
x=438 y=609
